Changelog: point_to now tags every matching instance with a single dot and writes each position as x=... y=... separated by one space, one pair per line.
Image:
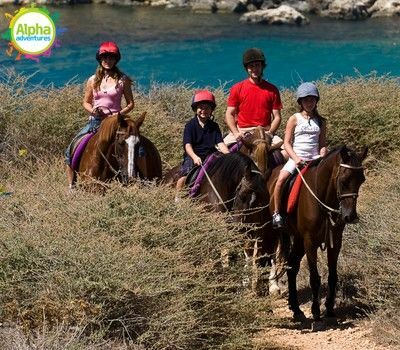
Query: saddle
x=197 y=174
x=78 y=147
x=292 y=186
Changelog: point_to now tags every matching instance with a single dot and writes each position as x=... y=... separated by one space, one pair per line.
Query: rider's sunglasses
x=106 y=56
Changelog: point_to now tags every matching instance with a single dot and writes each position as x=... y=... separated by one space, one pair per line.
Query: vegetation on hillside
x=133 y=269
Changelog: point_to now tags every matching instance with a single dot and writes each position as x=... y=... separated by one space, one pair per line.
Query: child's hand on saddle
x=197 y=161
x=301 y=163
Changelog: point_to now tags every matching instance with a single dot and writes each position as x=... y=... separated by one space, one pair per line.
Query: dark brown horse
x=235 y=185
x=335 y=181
x=118 y=151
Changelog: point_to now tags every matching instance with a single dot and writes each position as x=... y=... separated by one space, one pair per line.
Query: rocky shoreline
x=289 y=12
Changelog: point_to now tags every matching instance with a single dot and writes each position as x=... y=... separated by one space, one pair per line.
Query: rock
x=284 y=14
x=348 y=9
x=231 y=6
x=301 y=6
x=204 y=6
x=159 y=3
x=385 y=8
x=177 y=3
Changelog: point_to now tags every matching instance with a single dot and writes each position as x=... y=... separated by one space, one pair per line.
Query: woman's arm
x=128 y=94
x=88 y=97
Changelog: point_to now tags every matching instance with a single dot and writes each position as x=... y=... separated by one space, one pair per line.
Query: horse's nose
x=351 y=218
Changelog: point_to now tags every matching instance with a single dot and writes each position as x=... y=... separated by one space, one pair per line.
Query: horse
x=235 y=185
x=119 y=151
x=326 y=203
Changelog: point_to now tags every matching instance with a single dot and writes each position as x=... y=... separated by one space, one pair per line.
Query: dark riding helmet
x=203 y=96
x=253 y=55
x=108 y=47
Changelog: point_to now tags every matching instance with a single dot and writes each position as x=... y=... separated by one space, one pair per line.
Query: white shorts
x=290 y=165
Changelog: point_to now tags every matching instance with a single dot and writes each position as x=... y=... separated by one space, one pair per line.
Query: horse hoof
x=299 y=316
x=330 y=314
x=331 y=321
x=317 y=326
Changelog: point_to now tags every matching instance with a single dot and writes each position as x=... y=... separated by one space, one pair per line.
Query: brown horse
x=235 y=185
x=118 y=151
x=335 y=181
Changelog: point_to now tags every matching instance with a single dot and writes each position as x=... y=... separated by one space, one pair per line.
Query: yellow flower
x=22 y=152
x=2 y=188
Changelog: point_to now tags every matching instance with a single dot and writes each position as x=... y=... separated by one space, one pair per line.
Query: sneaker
x=277 y=221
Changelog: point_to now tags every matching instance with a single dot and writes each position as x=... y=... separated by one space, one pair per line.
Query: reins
x=340 y=195
x=221 y=201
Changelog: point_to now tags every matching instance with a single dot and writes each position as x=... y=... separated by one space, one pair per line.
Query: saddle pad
x=81 y=145
x=235 y=147
x=202 y=173
x=294 y=192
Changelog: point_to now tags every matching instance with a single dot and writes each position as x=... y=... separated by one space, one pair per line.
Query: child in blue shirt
x=201 y=135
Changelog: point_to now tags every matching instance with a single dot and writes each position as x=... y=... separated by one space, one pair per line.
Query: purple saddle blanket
x=194 y=190
x=80 y=147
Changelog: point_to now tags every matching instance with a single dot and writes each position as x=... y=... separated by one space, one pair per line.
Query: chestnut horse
x=118 y=151
x=256 y=144
x=326 y=203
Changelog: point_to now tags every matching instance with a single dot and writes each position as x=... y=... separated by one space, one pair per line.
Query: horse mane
x=352 y=158
x=108 y=128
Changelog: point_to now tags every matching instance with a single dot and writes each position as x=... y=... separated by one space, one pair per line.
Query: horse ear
x=363 y=153
x=345 y=153
x=139 y=121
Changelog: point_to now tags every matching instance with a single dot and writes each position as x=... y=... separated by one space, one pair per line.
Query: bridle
x=340 y=195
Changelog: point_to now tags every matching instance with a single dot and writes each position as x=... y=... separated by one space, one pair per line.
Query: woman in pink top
x=103 y=95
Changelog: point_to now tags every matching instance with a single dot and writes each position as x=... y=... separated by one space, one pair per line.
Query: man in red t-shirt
x=253 y=102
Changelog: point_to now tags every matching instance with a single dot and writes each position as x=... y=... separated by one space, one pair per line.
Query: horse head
x=258 y=144
x=127 y=138
x=251 y=196
x=350 y=176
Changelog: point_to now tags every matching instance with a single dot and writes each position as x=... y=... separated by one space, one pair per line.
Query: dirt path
x=346 y=334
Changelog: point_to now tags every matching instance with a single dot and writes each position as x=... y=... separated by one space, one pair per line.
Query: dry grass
x=131 y=267
x=130 y=264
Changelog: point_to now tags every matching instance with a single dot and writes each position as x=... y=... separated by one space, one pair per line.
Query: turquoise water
x=170 y=46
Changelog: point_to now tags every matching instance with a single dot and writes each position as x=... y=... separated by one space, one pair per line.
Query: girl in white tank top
x=305 y=139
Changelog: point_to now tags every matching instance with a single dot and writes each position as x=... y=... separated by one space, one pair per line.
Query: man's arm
x=276 y=121
x=231 y=122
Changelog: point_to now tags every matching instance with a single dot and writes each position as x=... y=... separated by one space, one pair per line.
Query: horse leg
x=315 y=279
x=333 y=254
x=294 y=259
x=273 y=286
x=255 y=276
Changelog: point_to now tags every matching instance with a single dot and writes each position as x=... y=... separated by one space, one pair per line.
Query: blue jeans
x=92 y=125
